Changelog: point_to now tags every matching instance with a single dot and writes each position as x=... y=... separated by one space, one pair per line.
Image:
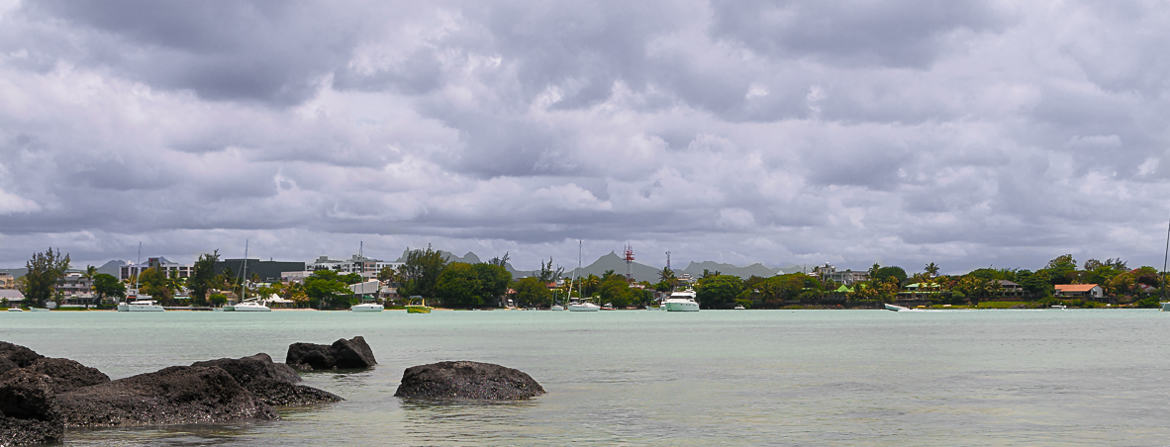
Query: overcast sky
x=964 y=133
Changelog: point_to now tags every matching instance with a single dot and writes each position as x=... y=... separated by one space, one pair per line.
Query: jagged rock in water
x=67 y=375
x=273 y=383
x=174 y=395
x=342 y=354
x=28 y=413
x=466 y=380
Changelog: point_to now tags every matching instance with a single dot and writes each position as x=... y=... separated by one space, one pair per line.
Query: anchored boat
x=681 y=302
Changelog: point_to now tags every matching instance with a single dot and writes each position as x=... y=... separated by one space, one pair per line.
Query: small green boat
x=417 y=306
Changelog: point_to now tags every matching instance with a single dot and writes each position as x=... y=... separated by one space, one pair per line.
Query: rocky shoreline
x=42 y=397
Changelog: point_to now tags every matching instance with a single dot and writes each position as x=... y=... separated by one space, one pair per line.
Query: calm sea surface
x=801 y=378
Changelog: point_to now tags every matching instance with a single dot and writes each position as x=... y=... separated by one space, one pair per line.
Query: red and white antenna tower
x=629 y=260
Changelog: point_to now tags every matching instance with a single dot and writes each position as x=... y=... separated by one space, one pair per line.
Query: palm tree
x=90 y=272
x=931 y=269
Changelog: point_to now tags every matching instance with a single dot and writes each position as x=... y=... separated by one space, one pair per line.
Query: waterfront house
x=7 y=281
x=75 y=289
x=1079 y=291
x=828 y=272
x=12 y=296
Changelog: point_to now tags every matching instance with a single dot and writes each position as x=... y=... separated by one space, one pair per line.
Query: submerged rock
x=466 y=380
x=28 y=413
x=174 y=395
x=342 y=354
x=273 y=383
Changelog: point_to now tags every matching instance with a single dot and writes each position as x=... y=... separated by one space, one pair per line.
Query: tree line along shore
x=460 y=285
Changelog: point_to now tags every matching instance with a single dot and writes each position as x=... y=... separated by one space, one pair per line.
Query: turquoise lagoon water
x=800 y=378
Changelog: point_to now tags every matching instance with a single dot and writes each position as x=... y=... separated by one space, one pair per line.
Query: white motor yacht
x=584 y=306
x=896 y=308
x=681 y=302
x=556 y=307
x=251 y=306
x=141 y=305
x=367 y=307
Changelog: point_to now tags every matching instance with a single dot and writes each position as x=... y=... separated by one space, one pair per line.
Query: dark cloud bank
x=963 y=133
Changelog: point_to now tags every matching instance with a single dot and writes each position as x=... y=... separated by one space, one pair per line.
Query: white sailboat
x=246 y=305
x=139 y=303
x=367 y=307
x=1165 y=258
x=581 y=305
x=681 y=302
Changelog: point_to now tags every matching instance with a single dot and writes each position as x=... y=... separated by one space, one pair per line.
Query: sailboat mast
x=580 y=288
x=138 y=268
x=244 y=275
x=1165 y=257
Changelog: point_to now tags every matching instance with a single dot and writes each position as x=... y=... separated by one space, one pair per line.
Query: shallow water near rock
x=1059 y=378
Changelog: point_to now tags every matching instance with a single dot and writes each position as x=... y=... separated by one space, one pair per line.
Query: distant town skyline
x=967 y=133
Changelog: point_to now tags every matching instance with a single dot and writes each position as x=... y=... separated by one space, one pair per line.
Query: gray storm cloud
x=963 y=133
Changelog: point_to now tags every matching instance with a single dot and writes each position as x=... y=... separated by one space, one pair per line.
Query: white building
x=355 y=264
x=169 y=268
x=847 y=277
x=74 y=285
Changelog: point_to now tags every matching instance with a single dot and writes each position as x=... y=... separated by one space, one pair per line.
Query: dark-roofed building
x=267 y=271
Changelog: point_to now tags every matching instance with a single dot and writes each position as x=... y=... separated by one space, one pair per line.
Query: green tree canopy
x=457 y=286
x=718 y=291
x=532 y=292
x=327 y=290
x=421 y=271
x=548 y=273
x=107 y=286
x=885 y=273
x=44 y=270
x=155 y=283
x=202 y=277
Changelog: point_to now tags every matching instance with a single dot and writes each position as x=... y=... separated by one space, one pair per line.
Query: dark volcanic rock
x=18 y=354
x=342 y=354
x=6 y=365
x=254 y=367
x=28 y=413
x=67 y=375
x=274 y=383
x=175 y=395
x=467 y=380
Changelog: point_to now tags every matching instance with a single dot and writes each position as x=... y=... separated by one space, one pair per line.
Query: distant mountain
x=16 y=273
x=113 y=267
x=695 y=269
x=640 y=272
x=469 y=258
x=611 y=261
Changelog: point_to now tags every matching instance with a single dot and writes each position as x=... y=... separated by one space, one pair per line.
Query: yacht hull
x=681 y=306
